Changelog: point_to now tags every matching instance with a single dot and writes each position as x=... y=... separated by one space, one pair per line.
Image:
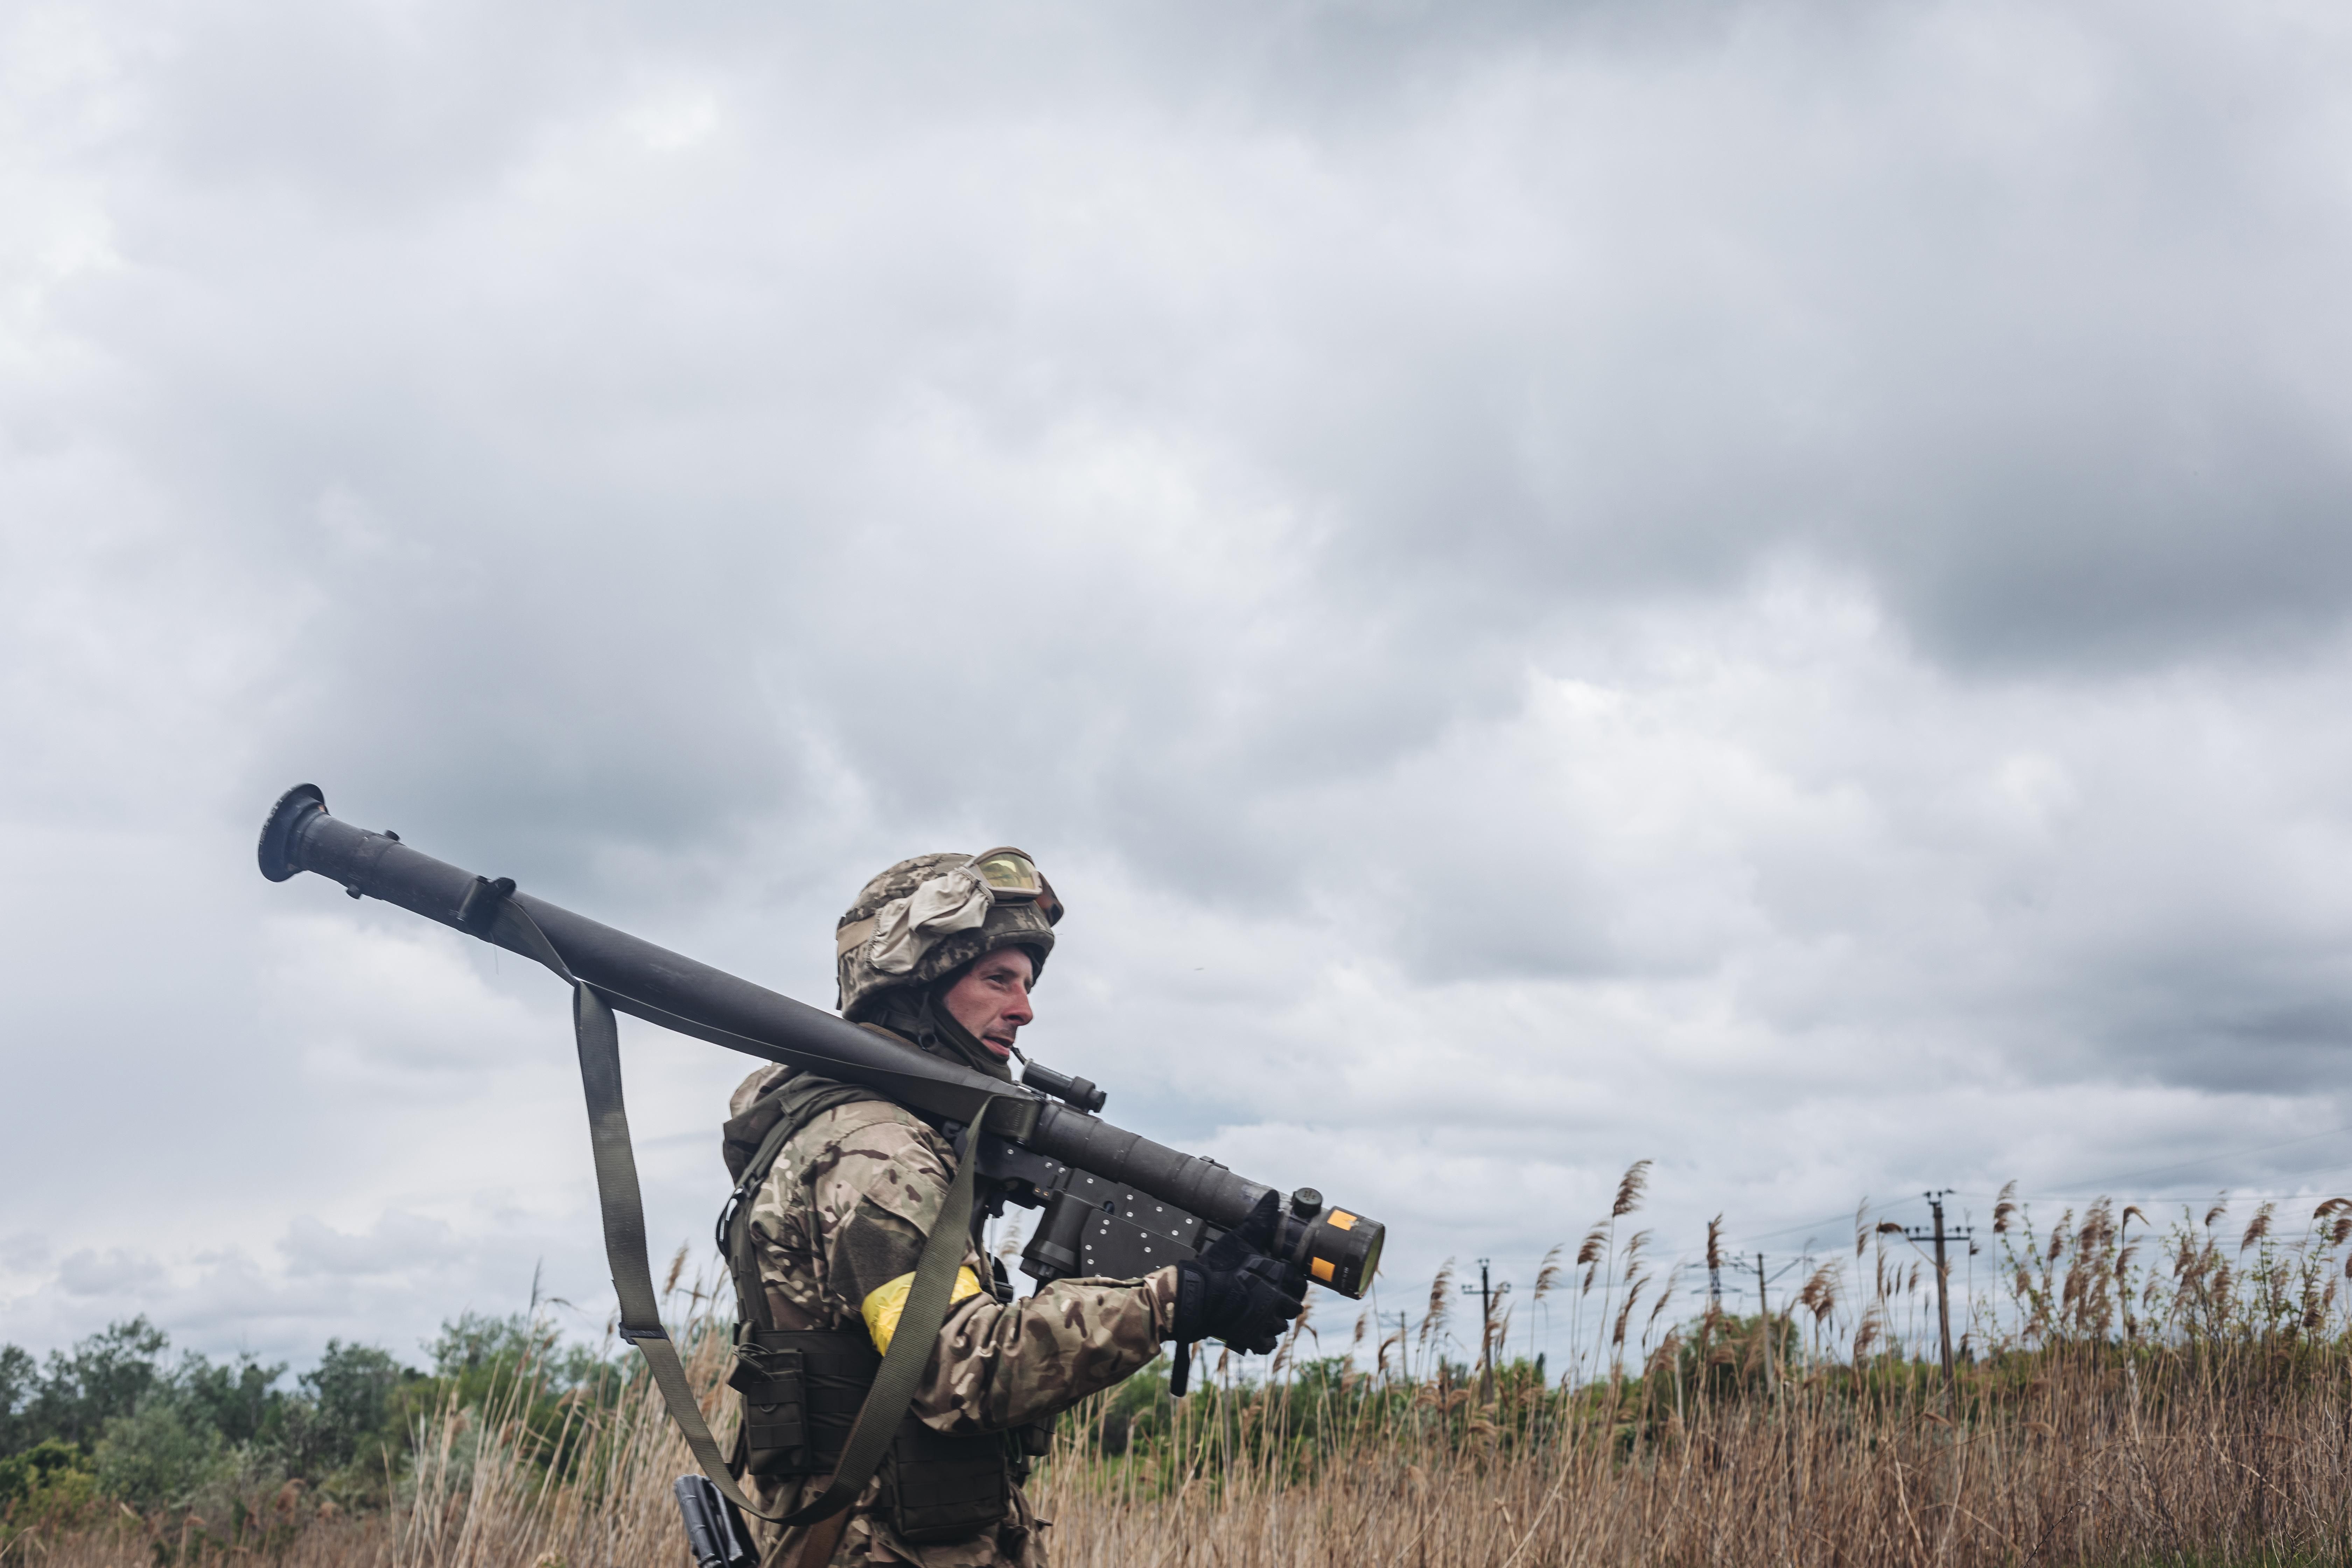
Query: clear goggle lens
x=1014 y=878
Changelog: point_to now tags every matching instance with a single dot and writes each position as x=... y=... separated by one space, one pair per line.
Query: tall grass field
x=2133 y=1392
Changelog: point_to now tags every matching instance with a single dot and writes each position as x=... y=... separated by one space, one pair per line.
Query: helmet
x=929 y=916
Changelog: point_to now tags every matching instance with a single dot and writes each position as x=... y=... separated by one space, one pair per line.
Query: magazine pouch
x=800 y=1393
x=936 y=1488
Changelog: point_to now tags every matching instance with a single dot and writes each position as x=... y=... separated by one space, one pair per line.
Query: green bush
x=156 y=1457
x=48 y=1483
x=117 y=1417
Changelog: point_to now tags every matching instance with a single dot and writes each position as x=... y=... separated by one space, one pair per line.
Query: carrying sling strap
x=599 y=1038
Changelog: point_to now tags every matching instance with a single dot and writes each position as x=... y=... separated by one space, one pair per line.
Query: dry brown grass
x=2058 y=1461
x=2061 y=1461
x=2210 y=1420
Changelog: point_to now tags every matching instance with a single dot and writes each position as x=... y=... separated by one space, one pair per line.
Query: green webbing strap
x=751 y=1297
x=599 y=1038
x=910 y=1347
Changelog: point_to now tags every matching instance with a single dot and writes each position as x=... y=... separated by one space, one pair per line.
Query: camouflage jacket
x=841 y=1214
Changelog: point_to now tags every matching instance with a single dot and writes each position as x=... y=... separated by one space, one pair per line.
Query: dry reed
x=2197 y=1407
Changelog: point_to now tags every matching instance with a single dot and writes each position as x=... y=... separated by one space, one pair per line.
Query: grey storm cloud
x=1557 y=584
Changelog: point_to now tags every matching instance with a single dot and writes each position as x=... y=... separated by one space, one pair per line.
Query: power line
x=2061 y=1190
x=2265 y=1193
x=1866 y=1213
x=2184 y=1164
x=1812 y=1224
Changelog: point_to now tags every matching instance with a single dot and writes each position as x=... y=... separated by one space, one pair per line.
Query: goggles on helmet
x=1014 y=878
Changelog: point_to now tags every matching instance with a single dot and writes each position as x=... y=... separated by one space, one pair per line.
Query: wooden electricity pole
x=1937 y=1235
x=1486 y=1293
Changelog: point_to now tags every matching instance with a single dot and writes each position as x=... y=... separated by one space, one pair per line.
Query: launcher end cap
x=276 y=849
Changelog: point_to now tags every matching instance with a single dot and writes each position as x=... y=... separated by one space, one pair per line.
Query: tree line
x=119 y=1418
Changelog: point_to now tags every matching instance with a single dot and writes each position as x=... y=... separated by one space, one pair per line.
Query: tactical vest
x=801 y=1389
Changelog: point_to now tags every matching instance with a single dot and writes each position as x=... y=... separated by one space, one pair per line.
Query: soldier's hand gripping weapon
x=1116 y=1205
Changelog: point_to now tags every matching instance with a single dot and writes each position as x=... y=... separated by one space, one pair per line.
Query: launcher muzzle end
x=286 y=819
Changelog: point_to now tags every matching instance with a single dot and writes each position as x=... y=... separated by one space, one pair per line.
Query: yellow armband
x=884 y=1306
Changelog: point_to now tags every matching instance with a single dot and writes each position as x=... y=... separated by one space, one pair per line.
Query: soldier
x=937 y=953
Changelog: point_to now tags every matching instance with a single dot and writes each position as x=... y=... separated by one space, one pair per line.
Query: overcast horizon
x=1760 y=586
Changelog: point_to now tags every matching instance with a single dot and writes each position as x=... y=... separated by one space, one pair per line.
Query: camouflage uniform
x=843 y=1211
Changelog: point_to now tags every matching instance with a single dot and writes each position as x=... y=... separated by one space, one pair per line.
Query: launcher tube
x=674 y=991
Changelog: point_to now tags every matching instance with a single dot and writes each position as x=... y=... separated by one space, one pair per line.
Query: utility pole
x=1486 y=1294
x=1938 y=1235
x=1764 y=1313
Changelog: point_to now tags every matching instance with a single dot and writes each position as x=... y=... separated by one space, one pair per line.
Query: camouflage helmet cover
x=863 y=980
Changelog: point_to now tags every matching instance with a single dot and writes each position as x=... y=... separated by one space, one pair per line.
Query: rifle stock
x=714 y=1531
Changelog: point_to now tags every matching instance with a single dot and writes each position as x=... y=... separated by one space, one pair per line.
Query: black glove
x=1234 y=1292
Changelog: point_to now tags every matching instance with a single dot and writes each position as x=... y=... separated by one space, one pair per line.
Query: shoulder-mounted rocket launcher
x=1116 y=1206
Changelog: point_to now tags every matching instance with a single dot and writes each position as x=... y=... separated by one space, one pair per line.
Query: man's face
x=992 y=999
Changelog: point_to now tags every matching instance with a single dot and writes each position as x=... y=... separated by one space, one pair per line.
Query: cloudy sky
x=1760 y=586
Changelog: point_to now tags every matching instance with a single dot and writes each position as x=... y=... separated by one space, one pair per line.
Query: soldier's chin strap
x=893 y=1392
